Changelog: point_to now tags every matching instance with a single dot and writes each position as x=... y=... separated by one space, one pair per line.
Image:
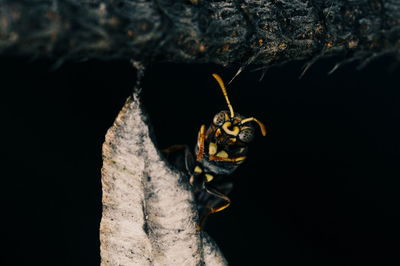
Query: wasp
x=219 y=151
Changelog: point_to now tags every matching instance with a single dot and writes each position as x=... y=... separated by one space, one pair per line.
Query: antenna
x=260 y=124
x=221 y=84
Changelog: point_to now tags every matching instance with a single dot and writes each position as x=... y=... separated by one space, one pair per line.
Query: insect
x=219 y=151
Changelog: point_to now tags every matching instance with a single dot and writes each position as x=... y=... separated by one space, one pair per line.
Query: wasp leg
x=213 y=191
x=200 y=143
x=237 y=160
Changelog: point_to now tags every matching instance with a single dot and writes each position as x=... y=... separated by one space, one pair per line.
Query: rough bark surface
x=200 y=31
x=149 y=214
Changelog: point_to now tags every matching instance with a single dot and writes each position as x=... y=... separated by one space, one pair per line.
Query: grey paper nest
x=149 y=213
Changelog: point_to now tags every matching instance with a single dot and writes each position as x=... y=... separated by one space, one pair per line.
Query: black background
x=320 y=189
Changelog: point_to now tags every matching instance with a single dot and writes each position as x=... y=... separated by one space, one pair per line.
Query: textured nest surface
x=149 y=215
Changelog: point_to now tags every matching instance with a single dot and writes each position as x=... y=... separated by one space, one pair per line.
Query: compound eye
x=219 y=119
x=246 y=135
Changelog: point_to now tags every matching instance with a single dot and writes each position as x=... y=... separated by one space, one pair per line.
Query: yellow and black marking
x=198 y=170
x=209 y=177
x=212 y=148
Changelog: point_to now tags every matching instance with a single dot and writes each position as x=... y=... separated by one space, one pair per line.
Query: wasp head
x=234 y=125
x=237 y=127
